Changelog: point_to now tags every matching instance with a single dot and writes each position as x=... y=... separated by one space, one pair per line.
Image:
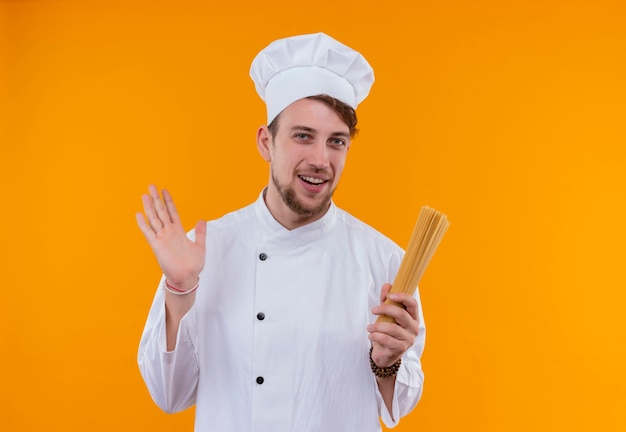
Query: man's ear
x=263 y=140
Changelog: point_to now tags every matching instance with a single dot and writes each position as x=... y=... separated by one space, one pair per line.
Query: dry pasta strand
x=429 y=229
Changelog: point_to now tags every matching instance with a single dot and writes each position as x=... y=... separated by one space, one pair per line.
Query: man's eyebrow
x=312 y=130
x=303 y=128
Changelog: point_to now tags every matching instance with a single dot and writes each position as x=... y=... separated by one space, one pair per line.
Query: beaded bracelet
x=169 y=288
x=384 y=372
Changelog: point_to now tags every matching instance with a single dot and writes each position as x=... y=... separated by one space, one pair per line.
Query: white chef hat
x=307 y=65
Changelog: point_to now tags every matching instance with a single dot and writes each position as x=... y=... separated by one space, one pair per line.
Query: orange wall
x=506 y=115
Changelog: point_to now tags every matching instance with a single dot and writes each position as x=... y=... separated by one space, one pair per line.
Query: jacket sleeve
x=410 y=377
x=409 y=381
x=171 y=376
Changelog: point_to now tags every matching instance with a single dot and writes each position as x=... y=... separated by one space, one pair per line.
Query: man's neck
x=286 y=216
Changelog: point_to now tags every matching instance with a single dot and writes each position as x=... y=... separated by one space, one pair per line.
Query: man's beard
x=290 y=199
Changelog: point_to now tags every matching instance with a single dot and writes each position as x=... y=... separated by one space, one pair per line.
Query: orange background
x=506 y=115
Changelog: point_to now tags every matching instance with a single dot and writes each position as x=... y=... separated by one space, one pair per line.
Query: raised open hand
x=181 y=259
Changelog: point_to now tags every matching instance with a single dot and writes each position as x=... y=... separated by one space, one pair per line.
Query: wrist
x=384 y=372
x=180 y=289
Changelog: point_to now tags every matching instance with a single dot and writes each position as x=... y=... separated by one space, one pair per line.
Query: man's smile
x=312 y=180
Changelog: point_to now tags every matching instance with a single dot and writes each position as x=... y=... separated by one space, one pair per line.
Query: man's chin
x=303 y=208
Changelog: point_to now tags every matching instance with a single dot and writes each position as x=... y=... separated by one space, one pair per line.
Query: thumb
x=384 y=292
x=200 y=232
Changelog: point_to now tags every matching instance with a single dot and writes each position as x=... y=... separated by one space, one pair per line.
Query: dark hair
x=345 y=112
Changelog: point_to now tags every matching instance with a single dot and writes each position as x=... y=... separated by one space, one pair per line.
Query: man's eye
x=302 y=136
x=338 y=142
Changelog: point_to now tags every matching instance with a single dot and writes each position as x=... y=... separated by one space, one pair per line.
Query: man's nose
x=318 y=155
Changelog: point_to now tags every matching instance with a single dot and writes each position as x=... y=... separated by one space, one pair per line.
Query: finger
x=389 y=329
x=391 y=345
x=407 y=301
x=159 y=207
x=391 y=337
x=143 y=226
x=151 y=214
x=171 y=208
x=391 y=309
x=397 y=312
x=384 y=291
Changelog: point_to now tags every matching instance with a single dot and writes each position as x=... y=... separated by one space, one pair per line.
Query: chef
x=264 y=319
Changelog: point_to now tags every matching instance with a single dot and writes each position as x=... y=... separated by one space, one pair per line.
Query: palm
x=180 y=258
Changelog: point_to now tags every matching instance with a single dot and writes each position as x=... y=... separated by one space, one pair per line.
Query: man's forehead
x=313 y=108
x=314 y=115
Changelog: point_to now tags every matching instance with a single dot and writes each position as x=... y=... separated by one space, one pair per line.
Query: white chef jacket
x=276 y=340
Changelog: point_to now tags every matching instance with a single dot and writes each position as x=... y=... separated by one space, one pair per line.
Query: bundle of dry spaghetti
x=429 y=229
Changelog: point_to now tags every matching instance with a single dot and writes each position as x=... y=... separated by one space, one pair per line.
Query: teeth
x=312 y=180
